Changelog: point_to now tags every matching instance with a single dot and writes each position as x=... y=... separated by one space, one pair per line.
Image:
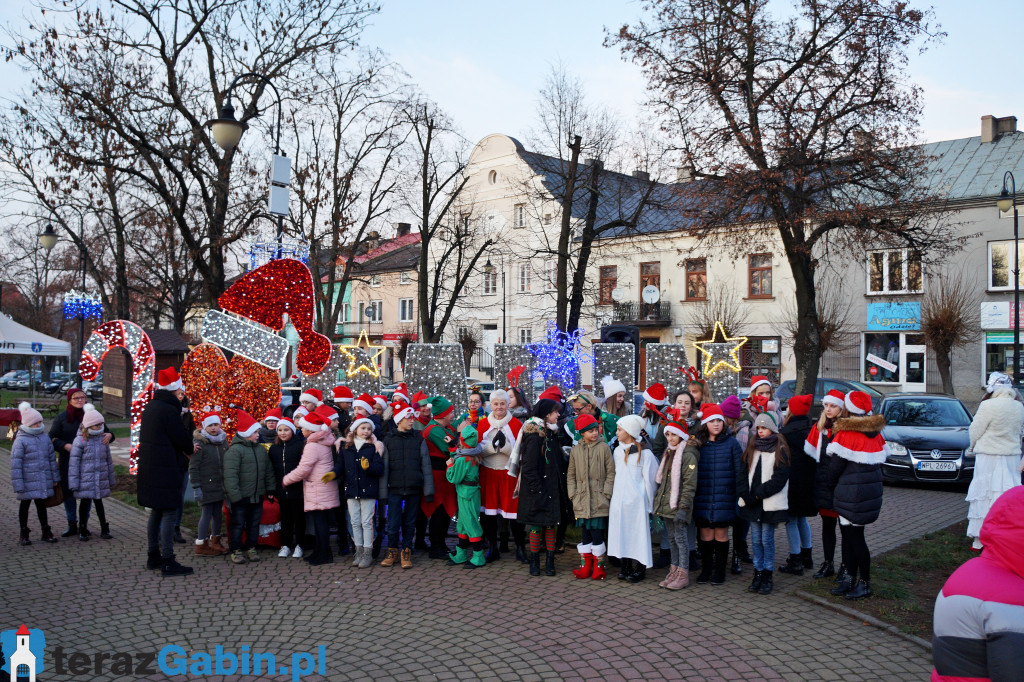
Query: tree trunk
x=807 y=348
x=943 y=360
x=579 y=279
x=562 y=276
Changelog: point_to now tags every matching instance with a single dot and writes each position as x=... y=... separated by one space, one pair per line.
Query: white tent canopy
x=17 y=339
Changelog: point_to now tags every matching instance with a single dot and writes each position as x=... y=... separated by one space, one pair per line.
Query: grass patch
x=906 y=580
x=122 y=433
x=125 y=490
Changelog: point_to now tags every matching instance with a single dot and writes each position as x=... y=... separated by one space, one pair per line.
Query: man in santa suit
x=498 y=432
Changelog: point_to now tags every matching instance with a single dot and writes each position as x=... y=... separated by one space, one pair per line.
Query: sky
x=484 y=62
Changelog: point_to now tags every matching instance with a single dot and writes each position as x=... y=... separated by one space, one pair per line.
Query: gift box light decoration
x=559 y=357
x=662 y=366
x=617 y=360
x=261 y=253
x=437 y=369
x=721 y=362
x=334 y=374
x=508 y=356
x=127 y=335
x=80 y=305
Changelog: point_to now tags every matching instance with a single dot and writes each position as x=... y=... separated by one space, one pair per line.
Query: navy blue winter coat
x=715 y=500
x=359 y=482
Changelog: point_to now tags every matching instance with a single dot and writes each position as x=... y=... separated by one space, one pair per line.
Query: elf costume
x=442 y=442
x=464 y=473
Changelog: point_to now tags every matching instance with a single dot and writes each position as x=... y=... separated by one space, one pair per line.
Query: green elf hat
x=469 y=437
x=440 y=406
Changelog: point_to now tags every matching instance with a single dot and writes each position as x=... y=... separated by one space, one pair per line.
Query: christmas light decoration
x=261 y=253
x=82 y=305
x=662 y=366
x=617 y=360
x=245 y=338
x=437 y=369
x=721 y=364
x=268 y=293
x=367 y=362
x=127 y=335
x=334 y=374
x=211 y=381
x=508 y=356
x=559 y=357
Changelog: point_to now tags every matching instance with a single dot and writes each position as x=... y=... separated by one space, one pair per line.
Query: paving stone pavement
x=436 y=623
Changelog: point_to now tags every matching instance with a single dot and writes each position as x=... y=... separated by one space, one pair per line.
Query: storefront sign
x=399 y=337
x=905 y=316
x=875 y=360
x=996 y=315
x=1002 y=337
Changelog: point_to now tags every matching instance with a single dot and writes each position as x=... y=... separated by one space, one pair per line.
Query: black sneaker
x=171 y=567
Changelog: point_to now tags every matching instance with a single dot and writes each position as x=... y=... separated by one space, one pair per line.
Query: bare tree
x=949 y=318
x=470 y=339
x=722 y=304
x=800 y=130
x=836 y=329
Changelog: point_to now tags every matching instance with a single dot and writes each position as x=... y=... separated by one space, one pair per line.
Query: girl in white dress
x=629 y=533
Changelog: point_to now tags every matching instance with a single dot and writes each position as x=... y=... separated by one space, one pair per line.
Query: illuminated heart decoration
x=265 y=295
x=211 y=381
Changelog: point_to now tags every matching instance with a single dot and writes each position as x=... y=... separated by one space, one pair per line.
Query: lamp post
x=1008 y=200
x=489 y=269
x=48 y=239
x=227 y=131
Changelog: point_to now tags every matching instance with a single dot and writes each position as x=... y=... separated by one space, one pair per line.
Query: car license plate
x=936 y=466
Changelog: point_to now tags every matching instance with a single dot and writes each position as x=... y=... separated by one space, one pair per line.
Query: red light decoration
x=265 y=295
x=211 y=381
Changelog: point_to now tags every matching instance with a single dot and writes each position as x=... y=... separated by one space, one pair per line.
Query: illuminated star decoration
x=720 y=352
x=559 y=355
x=368 y=362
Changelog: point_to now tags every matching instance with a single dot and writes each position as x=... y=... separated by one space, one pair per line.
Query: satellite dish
x=651 y=294
x=617 y=294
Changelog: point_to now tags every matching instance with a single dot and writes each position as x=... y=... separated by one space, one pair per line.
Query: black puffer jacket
x=541 y=481
x=165 y=445
x=857 y=485
x=285 y=457
x=408 y=463
x=822 y=488
x=801 y=467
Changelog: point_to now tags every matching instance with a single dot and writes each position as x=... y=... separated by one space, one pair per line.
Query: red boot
x=599 y=573
x=586 y=566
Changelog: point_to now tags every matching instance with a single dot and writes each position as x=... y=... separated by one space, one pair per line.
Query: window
x=525 y=336
x=550 y=275
x=405 y=310
x=373 y=312
x=374 y=280
x=650 y=275
x=362 y=311
x=547 y=218
x=519 y=215
x=524 y=278
x=896 y=271
x=608 y=281
x=696 y=279
x=404 y=278
x=1000 y=268
x=492 y=177
x=346 y=312
x=760 y=275
x=882 y=357
x=490 y=283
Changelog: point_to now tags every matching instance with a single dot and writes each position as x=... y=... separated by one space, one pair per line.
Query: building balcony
x=643 y=314
x=373 y=328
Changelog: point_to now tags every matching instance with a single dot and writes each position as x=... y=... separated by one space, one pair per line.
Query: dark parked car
x=8 y=380
x=927 y=436
x=786 y=391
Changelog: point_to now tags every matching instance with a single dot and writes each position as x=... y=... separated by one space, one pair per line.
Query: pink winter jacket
x=316 y=461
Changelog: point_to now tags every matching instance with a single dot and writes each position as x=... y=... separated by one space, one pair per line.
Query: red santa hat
x=327 y=412
x=834 y=397
x=342 y=394
x=356 y=422
x=401 y=393
x=419 y=398
x=312 y=422
x=364 y=401
x=756 y=381
x=710 y=412
x=273 y=415
x=312 y=395
x=551 y=393
x=678 y=429
x=858 y=402
x=381 y=401
x=401 y=411
x=210 y=418
x=246 y=424
x=800 y=405
x=656 y=395
x=168 y=379
x=285 y=421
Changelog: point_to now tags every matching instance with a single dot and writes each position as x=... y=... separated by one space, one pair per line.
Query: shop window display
x=882 y=357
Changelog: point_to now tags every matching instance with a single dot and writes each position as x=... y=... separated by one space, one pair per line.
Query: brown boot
x=219 y=543
x=391 y=558
x=204 y=548
x=406 y=558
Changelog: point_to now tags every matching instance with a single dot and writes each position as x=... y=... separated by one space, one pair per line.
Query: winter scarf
x=676 y=471
x=218 y=439
x=75 y=414
x=32 y=430
x=767 y=444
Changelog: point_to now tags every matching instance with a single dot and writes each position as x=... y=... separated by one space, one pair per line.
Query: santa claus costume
x=498 y=432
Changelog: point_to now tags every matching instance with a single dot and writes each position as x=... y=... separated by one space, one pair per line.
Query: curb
x=870 y=620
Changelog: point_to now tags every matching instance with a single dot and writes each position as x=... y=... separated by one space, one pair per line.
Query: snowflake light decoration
x=559 y=355
x=261 y=253
x=82 y=305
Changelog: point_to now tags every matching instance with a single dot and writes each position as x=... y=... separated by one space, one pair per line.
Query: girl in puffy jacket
x=91 y=472
x=714 y=505
x=360 y=466
x=34 y=471
x=319 y=490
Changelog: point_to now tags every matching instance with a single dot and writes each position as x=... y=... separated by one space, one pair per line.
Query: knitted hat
x=551 y=393
x=419 y=398
x=313 y=422
x=834 y=397
x=858 y=402
x=328 y=413
x=997 y=379
x=585 y=422
x=210 y=418
x=710 y=411
x=285 y=421
x=498 y=394
x=364 y=401
x=767 y=421
x=167 y=379
x=756 y=381
x=440 y=406
x=546 y=406
x=273 y=415
x=678 y=429
x=29 y=415
x=246 y=424
x=469 y=437
x=92 y=417
x=356 y=423
x=656 y=394
x=401 y=411
x=632 y=424
x=731 y=407
x=342 y=394
x=312 y=395
x=610 y=385
x=800 y=405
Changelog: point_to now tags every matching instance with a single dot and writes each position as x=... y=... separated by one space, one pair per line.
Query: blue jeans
x=763 y=540
x=798 y=532
x=245 y=517
x=160 y=532
x=402 y=514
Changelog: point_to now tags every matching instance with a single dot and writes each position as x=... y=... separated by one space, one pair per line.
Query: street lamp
x=1008 y=200
x=489 y=269
x=48 y=238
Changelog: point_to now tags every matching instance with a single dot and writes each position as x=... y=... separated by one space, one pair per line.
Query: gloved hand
x=680 y=514
x=198 y=494
x=270 y=498
x=499 y=440
x=328 y=477
x=364 y=463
